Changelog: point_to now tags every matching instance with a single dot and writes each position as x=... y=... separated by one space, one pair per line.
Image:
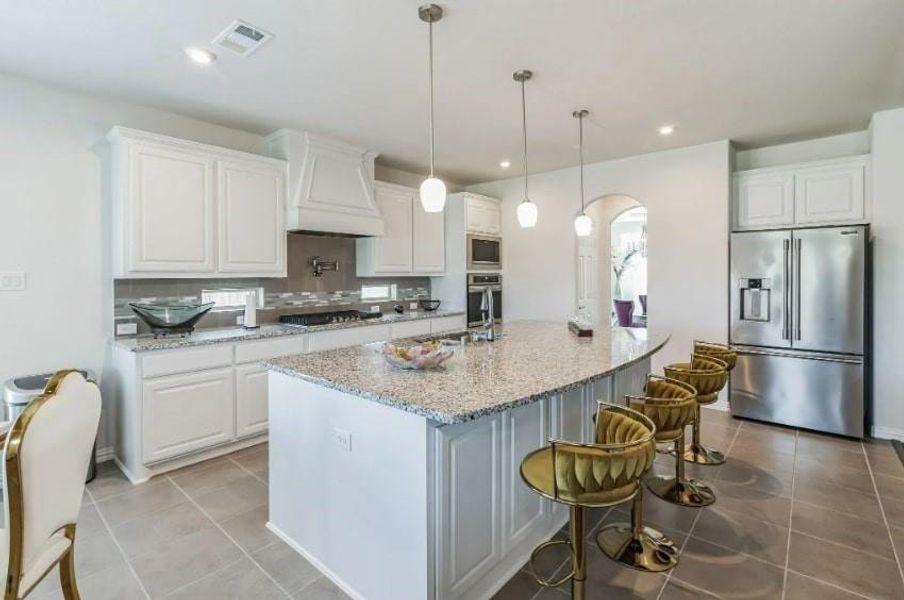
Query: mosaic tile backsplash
x=300 y=292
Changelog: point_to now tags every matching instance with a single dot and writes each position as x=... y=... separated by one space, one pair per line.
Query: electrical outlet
x=343 y=439
x=12 y=281
x=240 y=320
x=126 y=328
x=375 y=308
x=412 y=306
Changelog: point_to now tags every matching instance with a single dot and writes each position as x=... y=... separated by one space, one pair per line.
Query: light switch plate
x=375 y=308
x=343 y=439
x=412 y=306
x=126 y=328
x=12 y=281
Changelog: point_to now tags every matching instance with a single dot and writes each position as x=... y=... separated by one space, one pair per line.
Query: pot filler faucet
x=489 y=319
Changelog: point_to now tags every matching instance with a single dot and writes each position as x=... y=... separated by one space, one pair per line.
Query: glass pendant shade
x=433 y=195
x=527 y=214
x=583 y=225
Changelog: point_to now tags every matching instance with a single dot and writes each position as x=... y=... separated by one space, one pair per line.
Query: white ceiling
x=755 y=71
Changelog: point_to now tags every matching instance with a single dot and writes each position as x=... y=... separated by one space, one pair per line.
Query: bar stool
x=581 y=476
x=708 y=376
x=670 y=405
x=723 y=352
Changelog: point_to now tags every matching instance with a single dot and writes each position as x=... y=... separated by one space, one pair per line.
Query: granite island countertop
x=532 y=360
x=203 y=337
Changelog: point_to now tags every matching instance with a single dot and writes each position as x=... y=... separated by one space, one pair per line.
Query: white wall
x=54 y=220
x=835 y=146
x=888 y=271
x=687 y=194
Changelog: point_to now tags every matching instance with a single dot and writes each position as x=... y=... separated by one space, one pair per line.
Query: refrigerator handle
x=796 y=288
x=786 y=293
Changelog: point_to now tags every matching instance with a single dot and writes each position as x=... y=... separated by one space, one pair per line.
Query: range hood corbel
x=330 y=185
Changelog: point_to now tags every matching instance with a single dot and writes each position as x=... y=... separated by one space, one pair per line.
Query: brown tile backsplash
x=301 y=291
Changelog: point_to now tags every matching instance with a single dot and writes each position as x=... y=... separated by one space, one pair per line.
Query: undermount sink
x=458 y=338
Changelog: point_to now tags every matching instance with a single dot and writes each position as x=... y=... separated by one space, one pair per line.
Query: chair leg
x=636 y=546
x=578 y=553
x=679 y=490
x=698 y=453
x=67 y=575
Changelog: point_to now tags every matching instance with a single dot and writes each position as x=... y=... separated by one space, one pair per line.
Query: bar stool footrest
x=547 y=583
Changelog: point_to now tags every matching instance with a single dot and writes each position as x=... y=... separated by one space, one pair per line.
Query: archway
x=617 y=244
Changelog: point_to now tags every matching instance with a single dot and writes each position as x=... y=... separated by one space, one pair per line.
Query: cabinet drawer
x=342 y=338
x=165 y=362
x=447 y=324
x=264 y=349
x=410 y=328
x=251 y=402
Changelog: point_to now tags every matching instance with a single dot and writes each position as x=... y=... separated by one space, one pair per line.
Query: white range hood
x=330 y=185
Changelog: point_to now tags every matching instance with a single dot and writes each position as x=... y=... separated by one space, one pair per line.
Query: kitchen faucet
x=489 y=318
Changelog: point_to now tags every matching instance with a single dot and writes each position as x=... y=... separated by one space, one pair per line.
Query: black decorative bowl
x=164 y=319
x=429 y=305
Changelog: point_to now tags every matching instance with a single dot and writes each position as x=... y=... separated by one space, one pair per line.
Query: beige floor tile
x=897 y=538
x=679 y=590
x=242 y=580
x=799 y=587
x=771 y=439
x=839 y=498
x=760 y=539
x=847 y=568
x=93 y=555
x=608 y=580
x=753 y=503
x=810 y=471
x=207 y=476
x=890 y=487
x=115 y=583
x=321 y=589
x=234 y=498
x=286 y=566
x=185 y=560
x=728 y=574
x=520 y=587
x=865 y=535
x=159 y=529
x=894 y=512
x=89 y=522
x=249 y=529
x=761 y=478
x=659 y=513
x=886 y=465
x=832 y=450
x=108 y=481
x=139 y=501
x=256 y=462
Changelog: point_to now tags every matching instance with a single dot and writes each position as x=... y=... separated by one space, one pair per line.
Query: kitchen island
x=405 y=485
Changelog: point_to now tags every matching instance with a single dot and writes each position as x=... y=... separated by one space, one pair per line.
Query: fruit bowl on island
x=420 y=357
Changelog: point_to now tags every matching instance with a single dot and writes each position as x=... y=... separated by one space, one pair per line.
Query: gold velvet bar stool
x=708 y=375
x=582 y=476
x=670 y=405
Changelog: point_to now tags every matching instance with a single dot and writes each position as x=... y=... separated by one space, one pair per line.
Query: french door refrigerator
x=798 y=319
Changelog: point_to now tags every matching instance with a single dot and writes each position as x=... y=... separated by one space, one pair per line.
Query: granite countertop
x=531 y=360
x=203 y=337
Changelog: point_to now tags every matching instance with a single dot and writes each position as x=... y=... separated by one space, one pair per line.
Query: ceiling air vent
x=242 y=38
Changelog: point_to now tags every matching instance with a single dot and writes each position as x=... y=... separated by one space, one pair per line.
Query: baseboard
x=105 y=454
x=887 y=433
x=349 y=590
x=719 y=405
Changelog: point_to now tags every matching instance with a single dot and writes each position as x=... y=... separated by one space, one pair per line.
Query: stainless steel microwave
x=484 y=252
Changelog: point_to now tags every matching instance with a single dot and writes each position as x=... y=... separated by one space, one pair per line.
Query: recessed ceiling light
x=667 y=130
x=202 y=56
x=505 y=164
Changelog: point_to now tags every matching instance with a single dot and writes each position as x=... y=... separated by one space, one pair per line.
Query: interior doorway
x=611 y=263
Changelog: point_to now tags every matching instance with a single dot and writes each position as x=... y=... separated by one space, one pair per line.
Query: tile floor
x=797 y=516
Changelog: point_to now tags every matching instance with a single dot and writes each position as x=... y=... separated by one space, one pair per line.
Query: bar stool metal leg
x=636 y=546
x=699 y=454
x=679 y=490
x=578 y=552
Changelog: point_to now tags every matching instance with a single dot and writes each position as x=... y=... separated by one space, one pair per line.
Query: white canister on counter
x=250 y=320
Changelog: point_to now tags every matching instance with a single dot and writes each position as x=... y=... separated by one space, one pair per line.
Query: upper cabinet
x=184 y=209
x=330 y=184
x=482 y=215
x=820 y=193
x=413 y=242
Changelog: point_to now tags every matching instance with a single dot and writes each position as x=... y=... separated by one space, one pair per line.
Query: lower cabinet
x=187 y=412
x=250 y=400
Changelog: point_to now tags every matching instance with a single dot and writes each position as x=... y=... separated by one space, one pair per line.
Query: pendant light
x=527 y=210
x=433 y=190
x=583 y=225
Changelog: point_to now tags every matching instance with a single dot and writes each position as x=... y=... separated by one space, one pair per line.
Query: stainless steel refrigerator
x=798 y=318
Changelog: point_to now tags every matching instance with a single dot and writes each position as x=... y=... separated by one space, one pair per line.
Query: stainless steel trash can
x=19 y=391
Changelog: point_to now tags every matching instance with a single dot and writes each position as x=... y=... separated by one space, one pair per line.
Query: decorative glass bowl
x=429 y=355
x=176 y=317
x=429 y=305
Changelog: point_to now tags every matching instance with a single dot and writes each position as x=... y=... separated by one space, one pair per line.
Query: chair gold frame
x=630 y=454
x=16 y=510
x=708 y=375
x=669 y=404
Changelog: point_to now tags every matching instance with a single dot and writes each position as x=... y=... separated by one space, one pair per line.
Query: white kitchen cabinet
x=406 y=329
x=186 y=412
x=250 y=400
x=453 y=323
x=184 y=209
x=251 y=211
x=352 y=336
x=413 y=242
x=482 y=215
x=820 y=193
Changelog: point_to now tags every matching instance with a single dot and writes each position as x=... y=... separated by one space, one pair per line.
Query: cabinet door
x=170 y=208
x=407 y=329
x=525 y=429
x=764 y=200
x=392 y=252
x=185 y=413
x=250 y=400
x=251 y=210
x=482 y=216
x=830 y=194
x=429 y=240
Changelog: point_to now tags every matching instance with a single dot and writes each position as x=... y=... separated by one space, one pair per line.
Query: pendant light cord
x=430 y=88
x=524 y=136
x=581 y=155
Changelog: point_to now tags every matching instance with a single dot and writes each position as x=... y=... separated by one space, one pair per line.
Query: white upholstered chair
x=46 y=454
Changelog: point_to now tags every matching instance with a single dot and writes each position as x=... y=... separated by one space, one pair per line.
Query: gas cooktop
x=328 y=318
